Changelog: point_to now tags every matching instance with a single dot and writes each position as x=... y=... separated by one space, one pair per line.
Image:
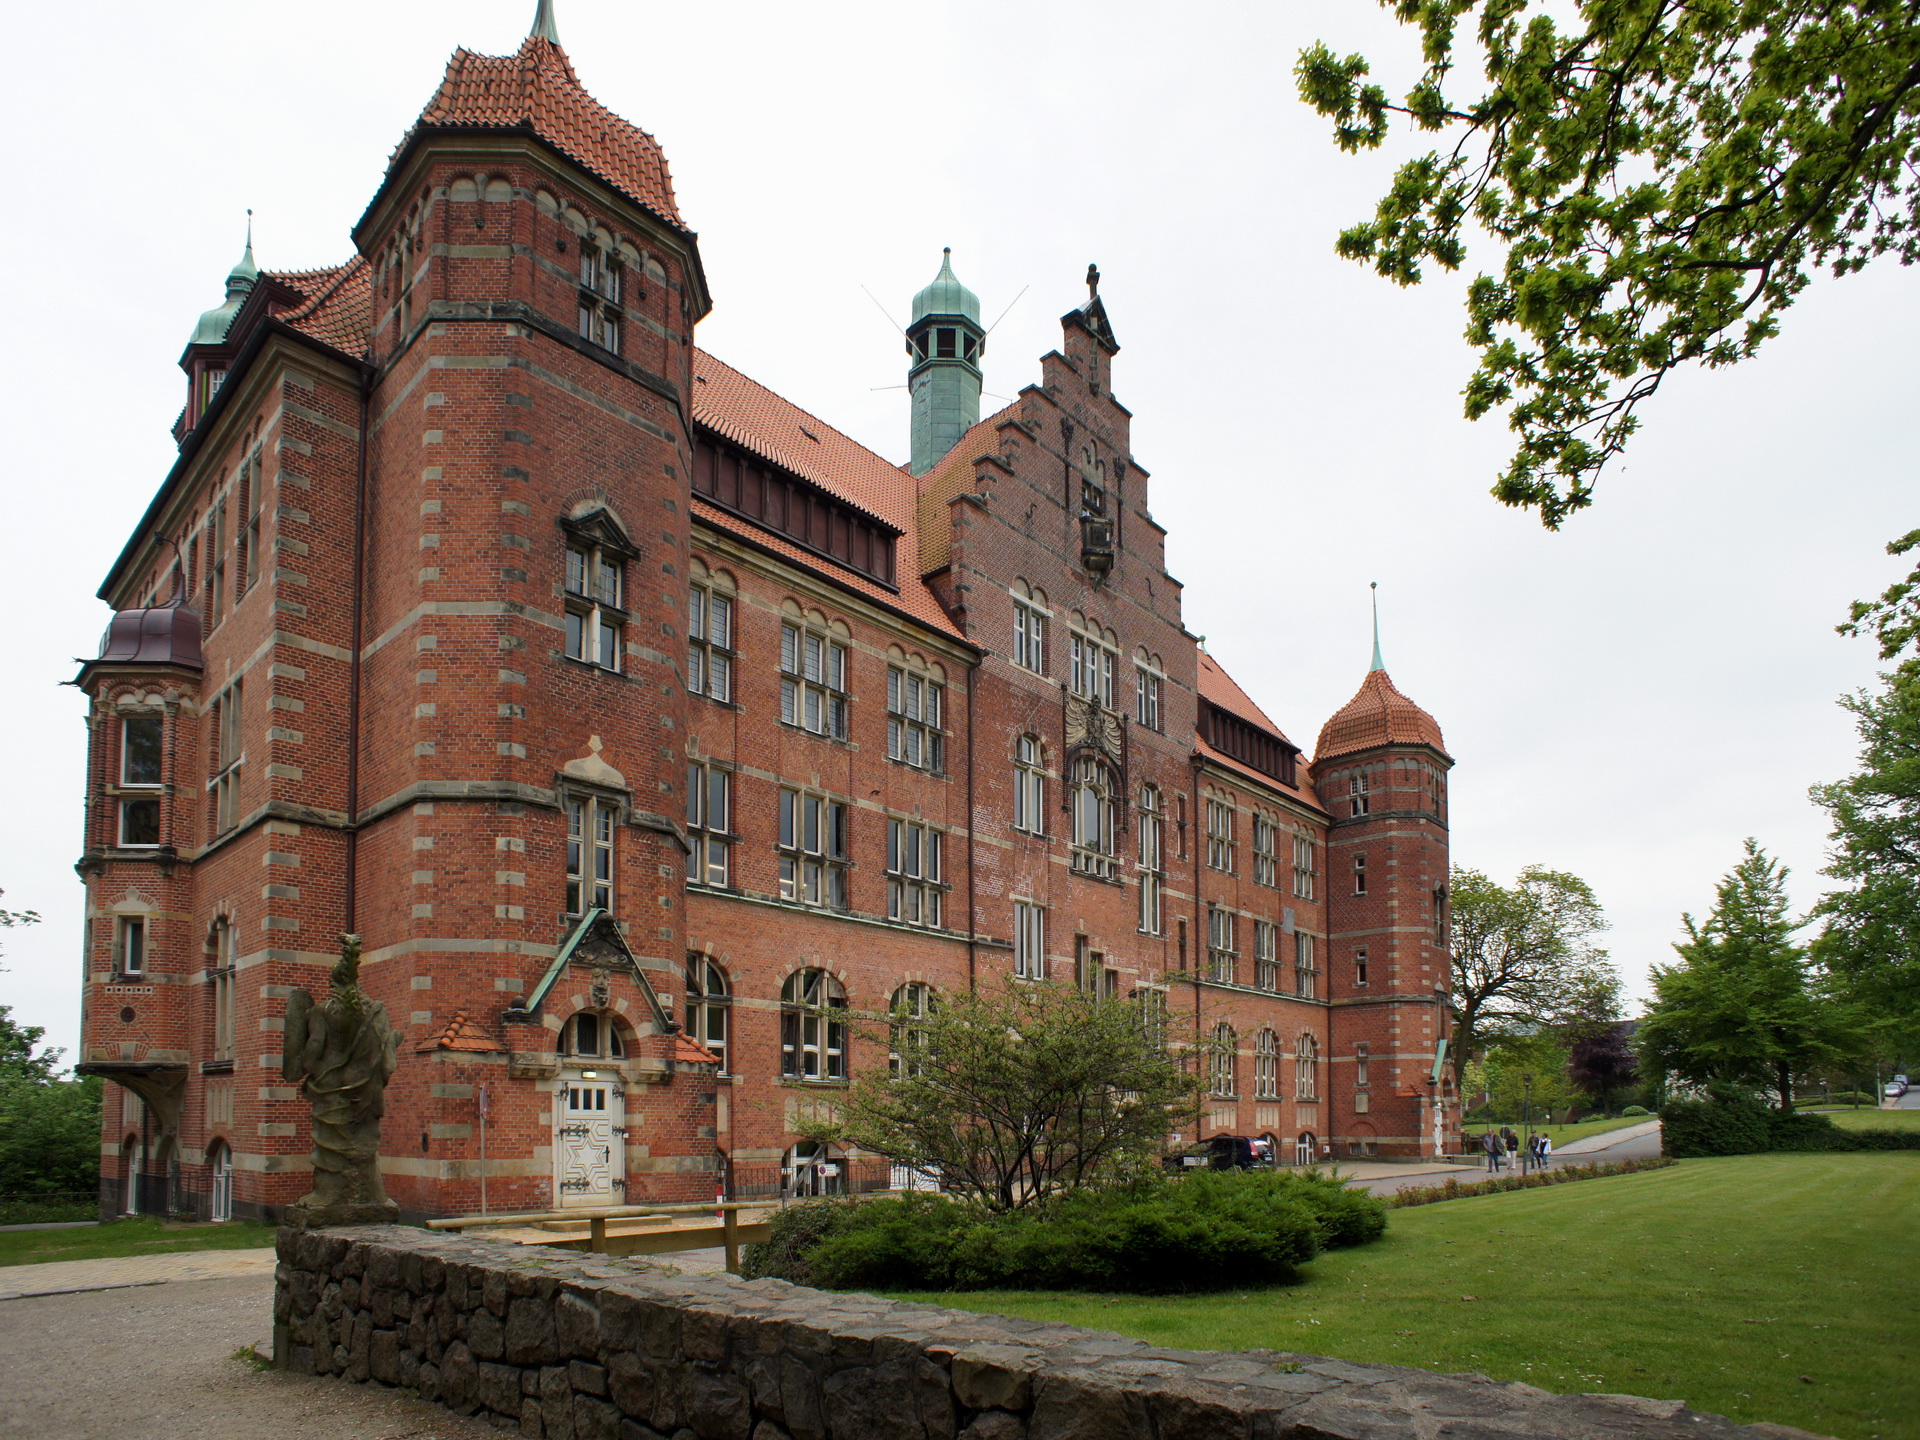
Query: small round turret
x=213 y=325
x=944 y=347
x=946 y=295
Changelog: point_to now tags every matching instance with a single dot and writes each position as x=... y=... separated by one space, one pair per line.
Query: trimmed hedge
x=1206 y=1231
x=1692 y=1129
x=1453 y=1189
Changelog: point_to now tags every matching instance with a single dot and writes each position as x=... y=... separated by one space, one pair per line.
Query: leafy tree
x=49 y=1127
x=1743 y=1007
x=10 y=918
x=1529 y=1071
x=1022 y=1093
x=1523 y=957
x=1665 y=176
x=1601 y=1062
x=20 y=1062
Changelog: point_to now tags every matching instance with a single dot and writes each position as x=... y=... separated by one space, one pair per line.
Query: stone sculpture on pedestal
x=341 y=1053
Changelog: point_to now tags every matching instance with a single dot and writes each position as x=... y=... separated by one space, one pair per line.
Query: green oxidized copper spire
x=1378 y=664
x=543 y=26
x=946 y=295
x=944 y=346
x=212 y=328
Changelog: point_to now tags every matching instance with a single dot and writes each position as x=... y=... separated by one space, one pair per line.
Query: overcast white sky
x=1625 y=700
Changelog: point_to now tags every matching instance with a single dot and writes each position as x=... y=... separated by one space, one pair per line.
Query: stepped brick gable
x=657 y=738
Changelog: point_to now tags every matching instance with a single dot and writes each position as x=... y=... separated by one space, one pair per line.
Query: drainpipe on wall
x=973 y=824
x=349 y=897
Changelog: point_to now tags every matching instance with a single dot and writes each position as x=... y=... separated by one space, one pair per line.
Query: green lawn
x=1875 y=1119
x=136 y=1236
x=1561 y=1134
x=1719 y=1282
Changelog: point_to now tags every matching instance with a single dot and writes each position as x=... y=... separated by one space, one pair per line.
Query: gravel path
x=156 y=1363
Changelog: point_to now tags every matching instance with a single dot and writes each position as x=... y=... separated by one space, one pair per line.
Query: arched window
x=220 y=1197
x=813 y=1168
x=1093 y=818
x=708 y=1003
x=1029 y=787
x=813 y=1027
x=1306 y=1069
x=1222 y=1063
x=1306 y=1149
x=591 y=1035
x=912 y=1004
x=1266 y=1066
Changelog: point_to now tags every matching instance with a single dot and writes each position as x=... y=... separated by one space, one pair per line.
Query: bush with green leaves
x=1204 y=1231
x=1635 y=1110
x=1732 y=1124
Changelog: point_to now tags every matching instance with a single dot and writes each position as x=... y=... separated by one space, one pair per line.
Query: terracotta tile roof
x=462 y=1033
x=1219 y=687
x=536 y=89
x=777 y=430
x=338 y=309
x=1377 y=715
x=1303 y=792
x=688 y=1051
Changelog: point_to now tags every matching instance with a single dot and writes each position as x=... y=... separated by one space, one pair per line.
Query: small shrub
x=1692 y=1129
x=1635 y=1110
x=797 y=1228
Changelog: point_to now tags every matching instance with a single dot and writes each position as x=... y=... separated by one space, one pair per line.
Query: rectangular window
x=1147 y=697
x=1152 y=861
x=1303 y=865
x=140 y=737
x=813 y=850
x=216 y=562
x=250 y=504
x=139 y=824
x=1359 y=874
x=595 y=619
x=709 y=824
x=914 y=873
x=710 y=644
x=914 y=719
x=1029 y=638
x=1360 y=970
x=1029 y=940
x=130 y=945
x=1223 y=958
x=1266 y=852
x=1304 y=968
x=1266 y=955
x=589 y=855
x=1153 y=1012
x=226 y=959
x=1090 y=668
x=1360 y=1062
x=813 y=684
x=1220 y=835
x=1029 y=787
x=1360 y=801
x=227 y=723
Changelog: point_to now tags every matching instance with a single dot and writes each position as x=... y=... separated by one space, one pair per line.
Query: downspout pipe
x=973 y=825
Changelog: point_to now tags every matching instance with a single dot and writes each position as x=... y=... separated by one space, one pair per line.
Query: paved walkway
x=1608 y=1139
x=69 y=1277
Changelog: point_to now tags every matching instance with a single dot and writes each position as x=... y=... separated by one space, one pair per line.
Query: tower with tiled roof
x=1380 y=768
x=945 y=345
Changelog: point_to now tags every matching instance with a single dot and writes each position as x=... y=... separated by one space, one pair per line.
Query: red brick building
x=647 y=728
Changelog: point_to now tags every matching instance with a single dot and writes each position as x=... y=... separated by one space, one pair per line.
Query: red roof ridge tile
x=461 y=1032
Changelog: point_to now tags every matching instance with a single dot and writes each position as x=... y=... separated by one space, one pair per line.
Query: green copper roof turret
x=543 y=26
x=946 y=295
x=944 y=346
x=213 y=325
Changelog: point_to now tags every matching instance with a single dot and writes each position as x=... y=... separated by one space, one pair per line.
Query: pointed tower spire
x=543 y=25
x=1377 y=662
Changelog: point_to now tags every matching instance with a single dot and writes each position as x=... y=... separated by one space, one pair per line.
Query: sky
x=1626 y=699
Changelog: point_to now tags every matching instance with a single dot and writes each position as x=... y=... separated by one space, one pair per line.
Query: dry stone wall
x=566 y=1346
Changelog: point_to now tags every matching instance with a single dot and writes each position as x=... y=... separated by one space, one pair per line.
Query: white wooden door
x=589 y=1142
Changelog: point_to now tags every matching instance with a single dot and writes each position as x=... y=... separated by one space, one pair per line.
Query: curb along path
x=66 y=1277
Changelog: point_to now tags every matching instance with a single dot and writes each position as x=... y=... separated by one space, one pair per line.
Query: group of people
x=1502 y=1147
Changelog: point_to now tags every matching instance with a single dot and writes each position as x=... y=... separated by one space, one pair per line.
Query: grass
x=1720 y=1282
x=1875 y=1119
x=137 y=1235
x=1561 y=1134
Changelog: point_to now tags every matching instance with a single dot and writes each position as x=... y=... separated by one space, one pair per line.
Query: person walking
x=1495 y=1148
x=1546 y=1149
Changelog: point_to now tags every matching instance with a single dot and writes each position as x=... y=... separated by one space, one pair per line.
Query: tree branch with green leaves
x=1665 y=177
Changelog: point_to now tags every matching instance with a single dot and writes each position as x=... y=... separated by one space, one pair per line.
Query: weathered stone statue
x=342 y=1054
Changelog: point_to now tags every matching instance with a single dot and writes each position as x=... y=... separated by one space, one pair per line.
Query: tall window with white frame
x=1303 y=866
x=1220 y=846
x=1223 y=955
x=915 y=715
x=1266 y=852
x=1266 y=1066
x=1090 y=666
x=130 y=945
x=252 y=474
x=142 y=738
x=590 y=828
x=1152 y=1000
x=914 y=873
x=1030 y=629
x=228 y=755
x=1359 y=795
x=1147 y=683
x=709 y=1007
x=1093 y=819
x=222 y=970
x=912 y=1007
x=1153 y=859
x=1266 y=956
x=1362 y=1060
x=1029 y=787
x=1305 y=967
x=813 y=1027
x=595 y=600
x=1360 y=874
x=600 y=286
x=1029 y=940
x=709 y=643
x=813 y=850
x=1223 y=1081
x=709 y=824
x=1306 y=1069
x=813 y=680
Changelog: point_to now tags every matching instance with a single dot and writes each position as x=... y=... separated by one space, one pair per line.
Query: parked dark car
x=1216 y=1152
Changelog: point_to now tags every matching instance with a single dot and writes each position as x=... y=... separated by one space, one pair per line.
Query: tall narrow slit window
x=223 y=969
x=813 y=850
x=813 y=1027
x=1360 y=874
x=709 y=1007
x=1305 y=967
x=914 y=873
x=813 y=683
x=1359 y=796
x=249 y=558
x=229 y=708
x=709 y=824
x=915 y=716
x=1303 y=866
x=1029 y=940
x=1223 y=956
x=590 y=829
x=1266 y=1066
x=1266 y=955
x=1153 y=839
x=1360 y=969
x=1266 y=852
x=1029 y=787
x=1147 y=683
x=600 y=285
x=710 y=643
x=130 y=945
x=595 y=598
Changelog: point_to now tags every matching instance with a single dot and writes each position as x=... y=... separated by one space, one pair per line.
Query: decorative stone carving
x=341 y=1053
